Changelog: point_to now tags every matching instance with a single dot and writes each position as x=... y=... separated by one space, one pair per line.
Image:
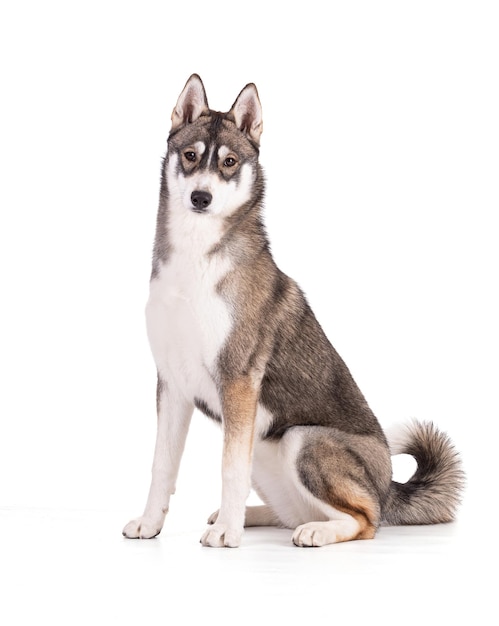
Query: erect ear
x=190 y=104
x=247 y=112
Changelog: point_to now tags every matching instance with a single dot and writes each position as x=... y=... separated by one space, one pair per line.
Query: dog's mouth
x=200 y=201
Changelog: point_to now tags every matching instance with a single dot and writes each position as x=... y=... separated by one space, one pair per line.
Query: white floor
x=74 y=567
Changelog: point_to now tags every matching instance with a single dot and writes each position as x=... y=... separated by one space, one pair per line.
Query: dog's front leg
x=174 y=416
x=239 y=401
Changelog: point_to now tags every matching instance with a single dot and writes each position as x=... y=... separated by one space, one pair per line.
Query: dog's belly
x=187 y=324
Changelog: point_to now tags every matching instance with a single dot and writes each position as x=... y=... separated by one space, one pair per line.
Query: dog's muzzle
x=200 y=201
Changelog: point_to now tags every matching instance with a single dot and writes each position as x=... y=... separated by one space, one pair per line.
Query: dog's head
x=212 y=157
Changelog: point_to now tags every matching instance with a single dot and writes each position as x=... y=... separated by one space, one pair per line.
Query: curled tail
x=433 y=493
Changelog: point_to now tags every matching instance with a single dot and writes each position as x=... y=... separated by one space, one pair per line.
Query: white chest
x=188 y=321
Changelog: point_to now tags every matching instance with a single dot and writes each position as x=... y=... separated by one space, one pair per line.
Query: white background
x=380 y=146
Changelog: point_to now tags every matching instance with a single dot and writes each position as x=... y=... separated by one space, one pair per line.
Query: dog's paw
x=221 y=536
x=314 y=535
x=142 y=528
x=213 y=517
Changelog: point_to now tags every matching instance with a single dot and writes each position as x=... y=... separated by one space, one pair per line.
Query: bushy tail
x=433 y=493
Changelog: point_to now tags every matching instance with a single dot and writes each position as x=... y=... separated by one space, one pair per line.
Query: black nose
x=200 y=200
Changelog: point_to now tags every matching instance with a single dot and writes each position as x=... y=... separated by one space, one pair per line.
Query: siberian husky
x=235 y=337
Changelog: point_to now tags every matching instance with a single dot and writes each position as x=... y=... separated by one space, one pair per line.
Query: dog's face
x=212 y=172
x=212 y=157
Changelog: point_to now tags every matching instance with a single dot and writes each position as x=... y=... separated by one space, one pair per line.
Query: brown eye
x=190 y=155
x=230 y=162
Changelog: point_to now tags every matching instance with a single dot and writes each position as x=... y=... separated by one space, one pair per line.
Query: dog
x=234 y=337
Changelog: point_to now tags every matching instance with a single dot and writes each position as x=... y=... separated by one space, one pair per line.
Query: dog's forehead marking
x=200 y=146
x=223 y=151
x=210 y=154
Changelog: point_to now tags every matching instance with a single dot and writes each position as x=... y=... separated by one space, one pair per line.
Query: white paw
x=142 y=528
x=313 y=535
x=221 y=536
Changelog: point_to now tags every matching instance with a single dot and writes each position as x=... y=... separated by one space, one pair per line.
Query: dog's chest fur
x=187 y=319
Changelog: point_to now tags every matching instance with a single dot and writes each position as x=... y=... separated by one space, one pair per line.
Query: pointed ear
x=191 y=103
x=247 y=113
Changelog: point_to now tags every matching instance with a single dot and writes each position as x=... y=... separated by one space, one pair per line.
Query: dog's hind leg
x=346 y=475
x=324 y=483
x=261 y=515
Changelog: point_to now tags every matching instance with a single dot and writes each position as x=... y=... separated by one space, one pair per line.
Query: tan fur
x=239 y=409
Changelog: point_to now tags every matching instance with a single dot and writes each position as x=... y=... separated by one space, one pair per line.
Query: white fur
x=200 y=147
x=264 y=419
x=188 y=323
x=223 y=151
x=398 y=435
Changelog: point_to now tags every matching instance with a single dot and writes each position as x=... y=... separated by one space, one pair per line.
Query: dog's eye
x=230 y=162
x=190 y=155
